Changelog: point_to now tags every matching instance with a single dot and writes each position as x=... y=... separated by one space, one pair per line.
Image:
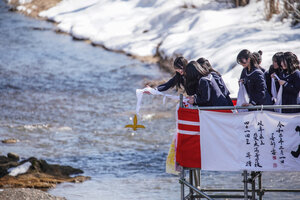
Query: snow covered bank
x=192 y=28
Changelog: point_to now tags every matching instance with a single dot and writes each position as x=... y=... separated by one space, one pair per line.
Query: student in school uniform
x=253 y=79
x=258 y=57
x=178 y=79
x=217 y=76
x=290 y=81
x=207 y=92
x=274 y=71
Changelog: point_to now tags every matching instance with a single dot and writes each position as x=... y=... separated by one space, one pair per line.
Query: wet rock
x=5 y=164
x=9 y=141
x=40 y=174
x=13 y=156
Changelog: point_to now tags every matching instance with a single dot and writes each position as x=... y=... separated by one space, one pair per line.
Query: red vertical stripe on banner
x=188 y=145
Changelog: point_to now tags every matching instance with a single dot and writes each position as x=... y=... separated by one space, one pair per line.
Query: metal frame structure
x=253 y=178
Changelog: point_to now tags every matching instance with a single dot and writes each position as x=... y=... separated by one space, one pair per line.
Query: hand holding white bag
x=279 y=99
x=242 y=97
x=273 y=90
x=277 y=96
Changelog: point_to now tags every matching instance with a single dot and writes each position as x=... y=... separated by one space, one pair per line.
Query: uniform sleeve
x=220 y=84
x=223 y=87
x=268 y=81
x=243 y=73
x=259 y=85
x=202 y=95
x=293 y=87
x=171 y=83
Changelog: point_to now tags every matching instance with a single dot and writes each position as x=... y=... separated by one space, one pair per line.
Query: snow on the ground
x=212 y=30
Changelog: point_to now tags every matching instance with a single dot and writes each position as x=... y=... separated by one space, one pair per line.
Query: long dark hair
x=277 y=58
x=257 y=56
x=205 y=63
x=291 y=62
x=193 y=72
x=245 y=54
x=179 y=63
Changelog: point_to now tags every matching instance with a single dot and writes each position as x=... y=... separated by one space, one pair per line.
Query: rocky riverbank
x=31 y=8
x=32 y=173
x=26 y=193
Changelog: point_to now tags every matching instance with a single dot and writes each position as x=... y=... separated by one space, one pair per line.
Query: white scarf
x=139 y=96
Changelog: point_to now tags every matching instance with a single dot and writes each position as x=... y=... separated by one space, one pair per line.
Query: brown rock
x=13 y=156
x=40 y=174
x=9 y=141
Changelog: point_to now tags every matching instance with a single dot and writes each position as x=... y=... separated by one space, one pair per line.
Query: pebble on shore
x=26 y=193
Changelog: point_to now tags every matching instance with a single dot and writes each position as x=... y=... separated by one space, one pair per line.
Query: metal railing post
x=260 y=193
x=182 y=175
x=191 y=180
x=181 y=101
x=245 y=180
x=253 y=174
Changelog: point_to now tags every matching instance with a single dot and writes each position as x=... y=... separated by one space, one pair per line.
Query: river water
x=68 y=102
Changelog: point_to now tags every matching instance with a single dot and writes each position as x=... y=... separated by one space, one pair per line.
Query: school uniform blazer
x=268 y=79
x=174 y=81
x=290 y=90
x=208 y=93
x=255 y=85
x=222 y=86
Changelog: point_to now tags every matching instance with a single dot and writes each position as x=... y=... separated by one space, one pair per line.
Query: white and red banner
x=254 y=141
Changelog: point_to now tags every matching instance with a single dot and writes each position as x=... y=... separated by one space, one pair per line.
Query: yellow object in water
x=134 y=126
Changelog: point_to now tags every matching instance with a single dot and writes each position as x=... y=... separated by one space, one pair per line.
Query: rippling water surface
x=68 y=102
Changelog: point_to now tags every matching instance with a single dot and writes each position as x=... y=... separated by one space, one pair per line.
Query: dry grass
x=36 y=6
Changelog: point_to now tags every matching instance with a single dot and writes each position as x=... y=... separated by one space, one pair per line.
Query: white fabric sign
x=254 y=141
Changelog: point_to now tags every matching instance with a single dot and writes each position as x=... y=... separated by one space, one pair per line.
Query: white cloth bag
x=140 y=92
x=273 y=90
x=242 y=97
x=277 y=96
x=279 y=99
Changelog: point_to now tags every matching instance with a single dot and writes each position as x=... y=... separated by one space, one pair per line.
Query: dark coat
x=255 y=85
x=290 y=90
x=208 y=93
x=222 y=86
x=178 y=80
x=268 y=79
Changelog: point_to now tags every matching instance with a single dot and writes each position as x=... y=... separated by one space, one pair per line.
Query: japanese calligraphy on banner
x=254 y=141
